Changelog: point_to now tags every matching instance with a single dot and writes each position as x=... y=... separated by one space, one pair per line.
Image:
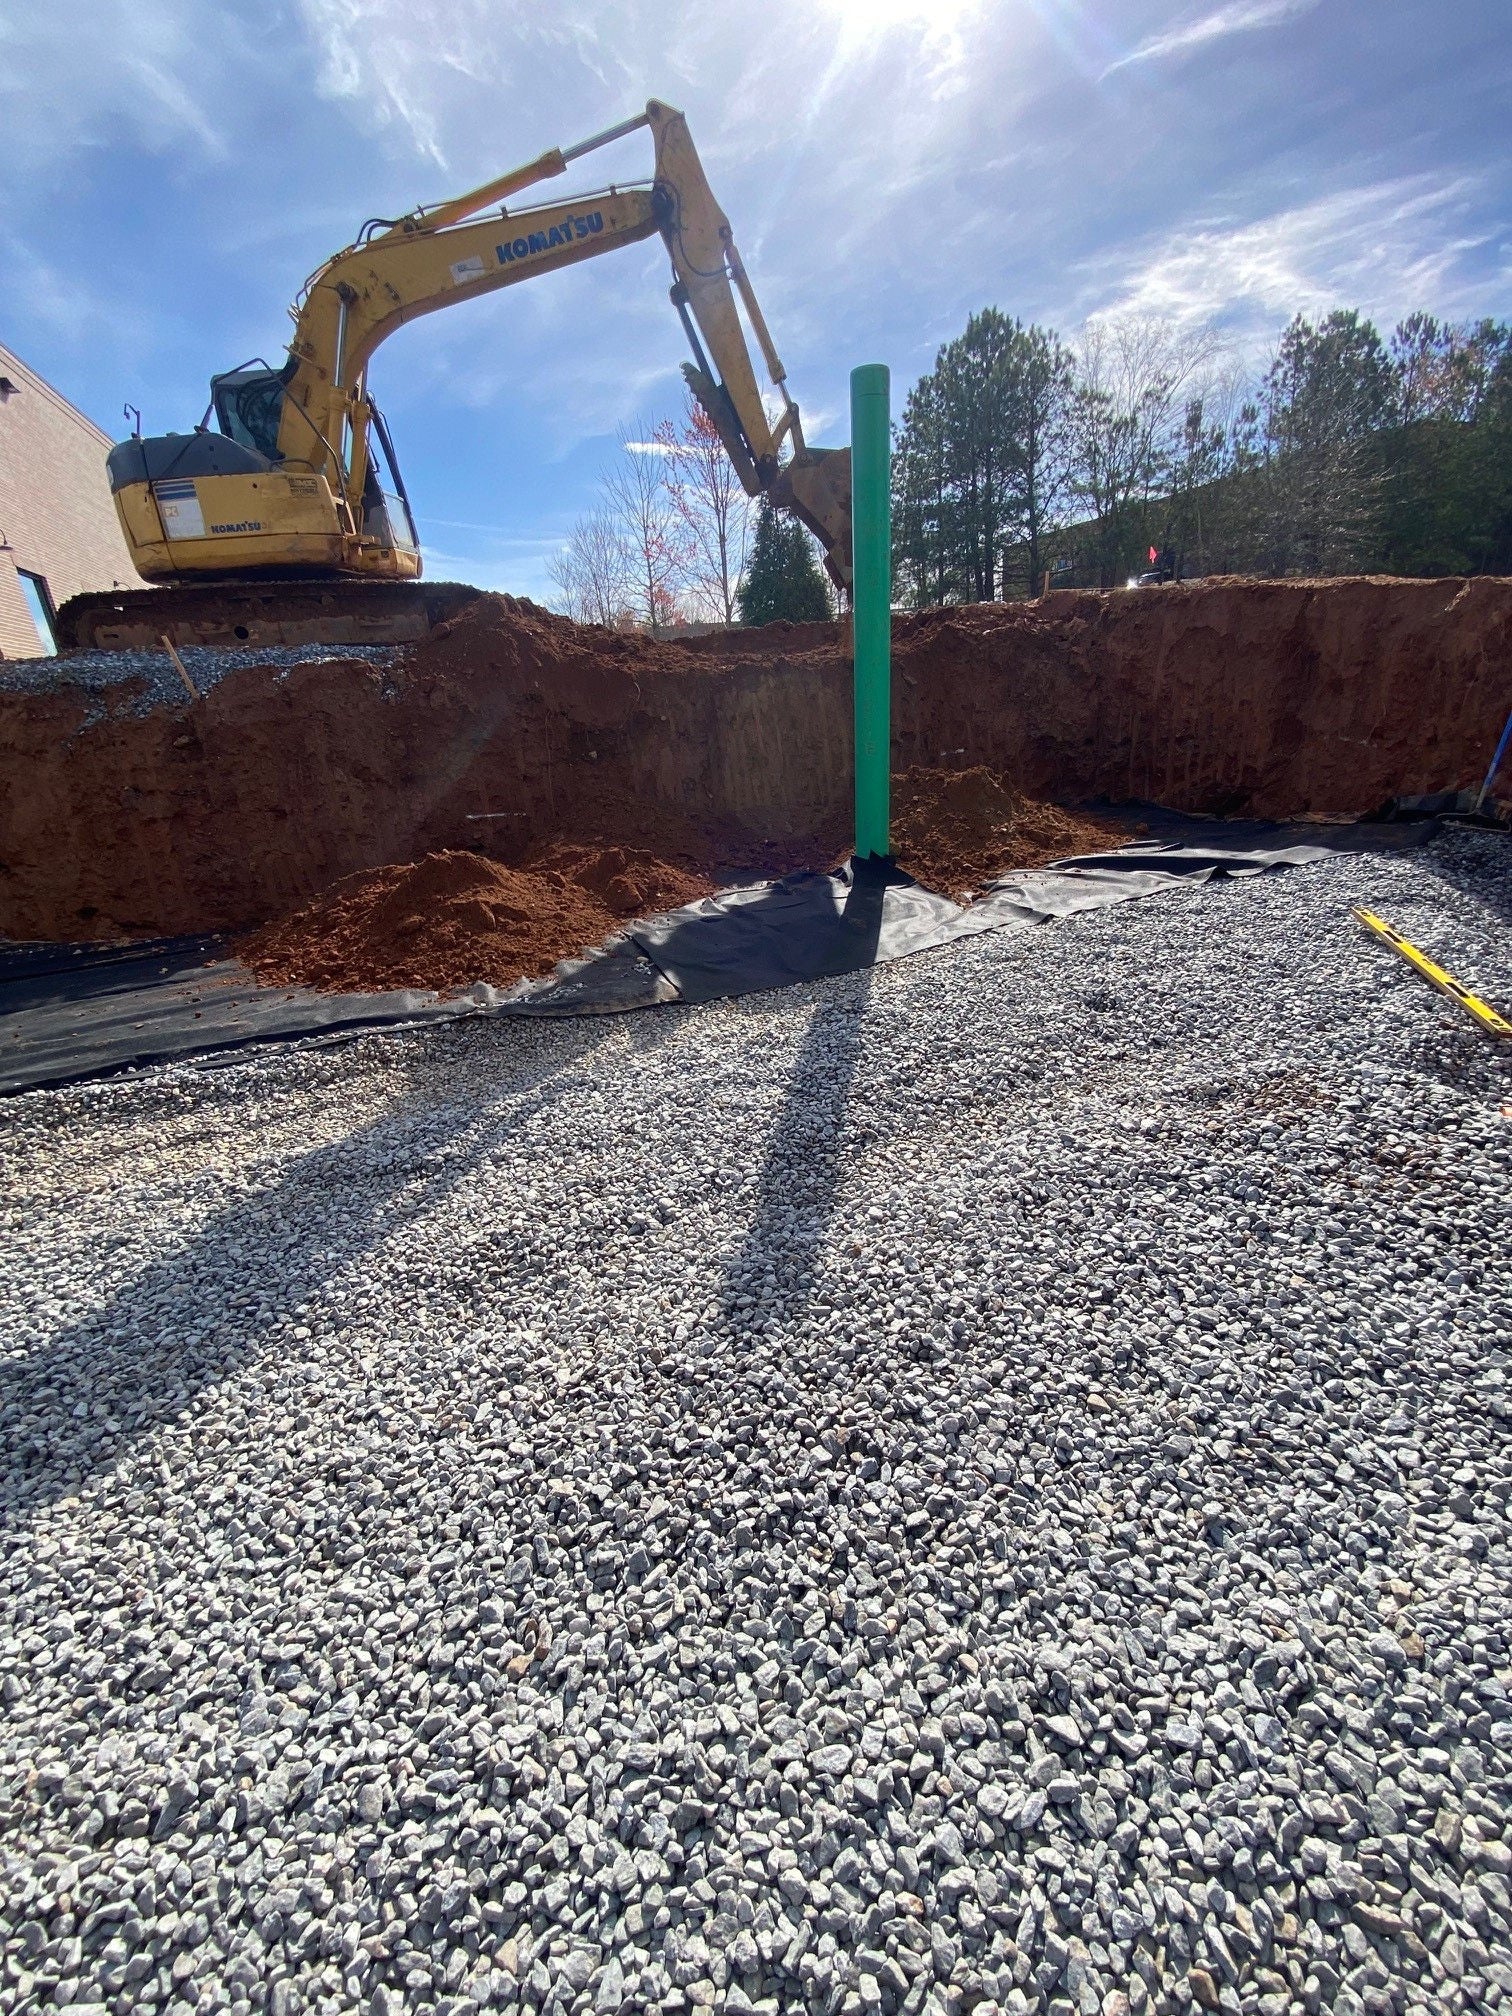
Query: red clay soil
x=453 y=918
x=626 y=881
x=955 y=830
x=456 y=917
x=733 y=750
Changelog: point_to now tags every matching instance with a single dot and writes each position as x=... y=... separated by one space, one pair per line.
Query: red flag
x=1154 y=556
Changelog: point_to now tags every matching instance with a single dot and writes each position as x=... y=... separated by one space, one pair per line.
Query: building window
x=40 y=603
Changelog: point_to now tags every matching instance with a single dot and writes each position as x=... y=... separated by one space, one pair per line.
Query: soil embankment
x=955 y=830
x=516 y=729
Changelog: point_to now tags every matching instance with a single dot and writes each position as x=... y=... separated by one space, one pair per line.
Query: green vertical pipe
x=871 y=557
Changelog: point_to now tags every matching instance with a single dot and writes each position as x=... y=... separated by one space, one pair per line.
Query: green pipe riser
x=871 y=537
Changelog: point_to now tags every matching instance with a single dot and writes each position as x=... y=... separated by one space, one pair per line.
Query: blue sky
x=172 y=170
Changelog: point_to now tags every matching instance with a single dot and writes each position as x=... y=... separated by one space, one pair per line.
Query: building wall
x=56 y=510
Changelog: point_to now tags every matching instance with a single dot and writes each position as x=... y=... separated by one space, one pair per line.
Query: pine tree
x=980 y=465
x=782 y=581
x=1325 y=397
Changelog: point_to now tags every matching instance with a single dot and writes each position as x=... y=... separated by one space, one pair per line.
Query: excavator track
x=233 y=614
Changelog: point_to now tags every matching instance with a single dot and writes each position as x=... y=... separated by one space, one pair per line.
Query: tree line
x=675 y=540
x=1140 y=444
x=1020 y=455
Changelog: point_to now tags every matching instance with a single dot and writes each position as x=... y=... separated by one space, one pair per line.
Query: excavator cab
x=387 y=520
x=233 y=504
x=249 y=406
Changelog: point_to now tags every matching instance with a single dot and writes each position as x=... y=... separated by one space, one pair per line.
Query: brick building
x=58 y=528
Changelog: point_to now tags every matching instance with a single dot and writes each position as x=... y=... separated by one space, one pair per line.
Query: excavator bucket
x=816 y=487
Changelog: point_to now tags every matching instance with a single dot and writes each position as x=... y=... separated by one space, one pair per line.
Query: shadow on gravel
x=76 y=1404
x=795 y=1196
x=1490 y=886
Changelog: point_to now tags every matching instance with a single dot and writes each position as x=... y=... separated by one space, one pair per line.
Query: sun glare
x=864 y=20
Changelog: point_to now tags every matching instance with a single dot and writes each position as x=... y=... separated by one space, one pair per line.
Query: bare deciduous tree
x=1344 y=453
x=1135 y=377
x=653 y=534
x=713 y=510
x=592 y=572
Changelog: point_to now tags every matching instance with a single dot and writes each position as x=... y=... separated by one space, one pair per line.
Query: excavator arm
x=435 y=258
x=288 y=491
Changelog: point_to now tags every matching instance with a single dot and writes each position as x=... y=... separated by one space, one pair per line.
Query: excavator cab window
x=249 y=406
x=378 y=503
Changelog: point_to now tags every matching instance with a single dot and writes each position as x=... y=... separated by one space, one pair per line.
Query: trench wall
x=1281 y=699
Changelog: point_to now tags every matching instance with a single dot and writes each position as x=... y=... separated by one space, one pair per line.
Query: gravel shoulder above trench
x=150 y=679
x=981 y=1485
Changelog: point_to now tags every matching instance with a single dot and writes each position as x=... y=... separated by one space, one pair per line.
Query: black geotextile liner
x=804 y=927
x=72 y=1012
x=807 y=926
x=78 y=1011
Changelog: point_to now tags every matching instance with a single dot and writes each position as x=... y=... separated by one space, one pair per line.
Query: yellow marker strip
x=1472 y=1004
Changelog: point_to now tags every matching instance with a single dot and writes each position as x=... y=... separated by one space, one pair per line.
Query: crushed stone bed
x=981 y=1485
x=95 y=673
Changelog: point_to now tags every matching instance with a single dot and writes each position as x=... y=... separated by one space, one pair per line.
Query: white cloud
x=175 y=101
x=74 y=79
x=1239 y=17
x=51 y=296
x=1386 y=247
x=818 y=420
x=449 y=74
x=380 y=60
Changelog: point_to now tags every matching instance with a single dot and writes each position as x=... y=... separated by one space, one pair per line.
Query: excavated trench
x=510 y=731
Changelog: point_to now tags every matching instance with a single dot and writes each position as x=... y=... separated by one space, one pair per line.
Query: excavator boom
x=290 y=486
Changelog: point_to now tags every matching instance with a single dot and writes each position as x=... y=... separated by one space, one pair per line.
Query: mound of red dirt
x=628 y=881
x=455 y=917
x=955 y=830
x=452 y=918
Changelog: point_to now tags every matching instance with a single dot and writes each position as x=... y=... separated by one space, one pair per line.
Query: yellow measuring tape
x=1472 y=1004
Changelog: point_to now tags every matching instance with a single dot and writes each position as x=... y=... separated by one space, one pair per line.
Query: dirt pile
x=452 y=918
x=732 y=750
x=955 y=830
x=627 y=881
x=457 y=916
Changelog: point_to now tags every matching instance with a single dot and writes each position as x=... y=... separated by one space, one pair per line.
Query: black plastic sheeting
x=73 y=1012
x=808 y=926
x=805 y=927
x=78 y=1011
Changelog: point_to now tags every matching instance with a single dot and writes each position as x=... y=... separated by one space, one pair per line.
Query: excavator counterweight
x=289 y=521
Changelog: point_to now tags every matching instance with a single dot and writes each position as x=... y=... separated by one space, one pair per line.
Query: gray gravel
x=982 y=1485
x=95 y=673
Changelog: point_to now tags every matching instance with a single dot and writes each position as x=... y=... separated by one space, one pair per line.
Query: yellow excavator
x=278 y=527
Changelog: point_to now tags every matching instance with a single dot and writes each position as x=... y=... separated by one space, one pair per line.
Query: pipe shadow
x=84 y=1398
x=777 y=934
x=800 y=1174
